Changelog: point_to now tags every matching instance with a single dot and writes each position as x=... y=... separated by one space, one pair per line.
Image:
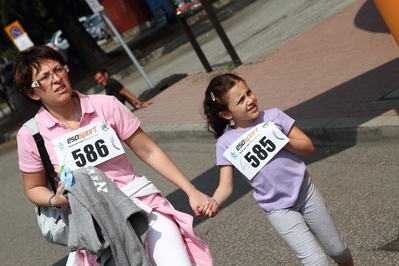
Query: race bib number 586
x=89 y=145
x=252 y=151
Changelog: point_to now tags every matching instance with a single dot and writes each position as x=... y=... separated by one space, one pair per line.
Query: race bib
x=252 y=151
x=89 y=145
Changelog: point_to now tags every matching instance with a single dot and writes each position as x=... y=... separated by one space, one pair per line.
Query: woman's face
x=53 y=88
x=242 y=106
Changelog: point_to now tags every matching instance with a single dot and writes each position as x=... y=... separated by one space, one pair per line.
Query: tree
x=31 y=15
x=80 y=41
x=41 y=18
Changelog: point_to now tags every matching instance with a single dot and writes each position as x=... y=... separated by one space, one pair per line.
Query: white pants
x=165 y=245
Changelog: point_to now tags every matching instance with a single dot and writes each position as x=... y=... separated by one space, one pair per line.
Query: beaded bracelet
x=49 y=202
x=214 y=201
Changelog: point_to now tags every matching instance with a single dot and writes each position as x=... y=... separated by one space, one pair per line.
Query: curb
x=321 y=131
x=351 y=130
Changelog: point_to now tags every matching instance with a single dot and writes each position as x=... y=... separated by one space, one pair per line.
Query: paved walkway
x=337 y=79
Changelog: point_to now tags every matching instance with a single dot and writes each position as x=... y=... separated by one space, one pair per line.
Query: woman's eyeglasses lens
x=45 y=80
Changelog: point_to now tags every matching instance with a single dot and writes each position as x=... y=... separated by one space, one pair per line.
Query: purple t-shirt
x=277 y=184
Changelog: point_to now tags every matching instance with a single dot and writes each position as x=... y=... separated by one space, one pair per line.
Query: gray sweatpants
x=308 y=220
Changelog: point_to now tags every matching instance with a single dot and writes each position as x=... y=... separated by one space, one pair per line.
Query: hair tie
x=213 y=97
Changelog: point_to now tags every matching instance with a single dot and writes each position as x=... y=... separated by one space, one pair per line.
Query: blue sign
x=15 y=31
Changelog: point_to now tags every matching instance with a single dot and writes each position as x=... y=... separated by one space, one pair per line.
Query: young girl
x=263 y=145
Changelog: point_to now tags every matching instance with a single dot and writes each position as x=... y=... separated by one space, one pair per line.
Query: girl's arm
x=225 y=188
x=35 y=185
x=222 y=192
x=300 y=143
x=150 y=153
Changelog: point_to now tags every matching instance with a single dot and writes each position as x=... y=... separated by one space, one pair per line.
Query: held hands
x=198 y=206
x=209 y=209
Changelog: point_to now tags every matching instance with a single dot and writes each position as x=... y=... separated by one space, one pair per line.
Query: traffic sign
x=14 y=30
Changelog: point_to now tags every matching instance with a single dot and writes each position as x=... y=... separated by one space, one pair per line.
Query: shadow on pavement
x=375 y=91
x=363 y=21
x=207 y=183
x=61 y=262
x=160 y=86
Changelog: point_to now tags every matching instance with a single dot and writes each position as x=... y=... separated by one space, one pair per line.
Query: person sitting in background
x=115 y=88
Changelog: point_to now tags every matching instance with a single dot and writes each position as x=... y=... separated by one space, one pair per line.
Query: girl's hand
x=209 y=209
x=196 y=201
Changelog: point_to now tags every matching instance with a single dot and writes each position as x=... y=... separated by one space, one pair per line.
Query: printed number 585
x=260 y=151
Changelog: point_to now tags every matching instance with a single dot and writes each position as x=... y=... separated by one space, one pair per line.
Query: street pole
x=220 y=31
x=190 y=36
x=129 y=53
x=218 y=28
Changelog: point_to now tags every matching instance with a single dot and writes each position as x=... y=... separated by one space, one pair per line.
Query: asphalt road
x=359 y=184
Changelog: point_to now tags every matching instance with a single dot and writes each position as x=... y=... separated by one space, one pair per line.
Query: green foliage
x=34 y=19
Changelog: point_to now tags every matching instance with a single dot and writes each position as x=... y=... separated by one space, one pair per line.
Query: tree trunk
x=81 y=43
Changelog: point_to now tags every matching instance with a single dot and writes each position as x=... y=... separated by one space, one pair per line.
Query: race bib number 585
x=89 y=145
x=252 y=151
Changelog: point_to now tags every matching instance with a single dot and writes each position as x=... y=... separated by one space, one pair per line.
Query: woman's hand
x=59 y=199
x=197 y=199
x=209 y=209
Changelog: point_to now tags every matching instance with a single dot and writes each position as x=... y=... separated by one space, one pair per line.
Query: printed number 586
x=260 y=151
x=91 y=153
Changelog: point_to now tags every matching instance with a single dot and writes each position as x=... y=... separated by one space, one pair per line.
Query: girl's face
x=242 y=106
x=55 y=88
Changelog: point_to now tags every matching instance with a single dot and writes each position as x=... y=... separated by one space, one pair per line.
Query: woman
x=40 y=74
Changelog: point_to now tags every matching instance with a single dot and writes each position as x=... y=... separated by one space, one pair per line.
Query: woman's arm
x=35 y=185
x=300 y=143
x=150 y=153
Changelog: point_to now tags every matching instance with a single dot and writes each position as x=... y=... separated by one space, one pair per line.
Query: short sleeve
x=221 y=146
x=123 y=121
x=28 y=155
x=285 y=121
x=114 y=85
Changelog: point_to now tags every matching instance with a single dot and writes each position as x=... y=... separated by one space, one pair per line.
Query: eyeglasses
x=46 y=79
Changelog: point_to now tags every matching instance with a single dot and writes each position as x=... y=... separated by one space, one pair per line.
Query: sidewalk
x=338 y=80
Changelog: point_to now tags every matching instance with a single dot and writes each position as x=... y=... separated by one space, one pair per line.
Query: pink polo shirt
x=95 y=108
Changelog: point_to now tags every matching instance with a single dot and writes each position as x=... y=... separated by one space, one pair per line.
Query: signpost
x=97 y=8
x=18 y=36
